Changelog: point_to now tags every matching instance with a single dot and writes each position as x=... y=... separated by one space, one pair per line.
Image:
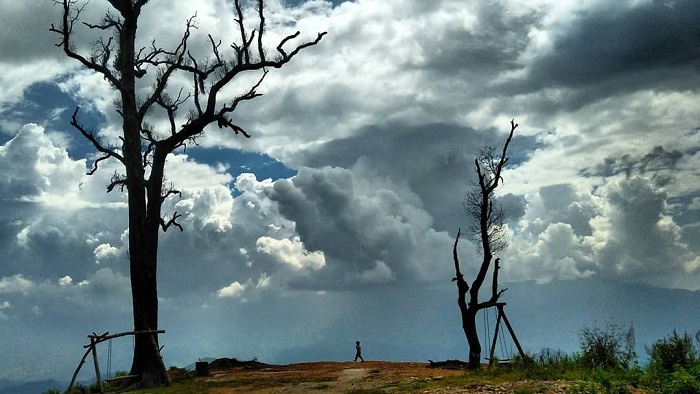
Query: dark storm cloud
x=493 y=45
x=370 y=229
x=19 y=44
x=563 y=205
x=658 y=164
x=653 y=45
x=513 y=206
x=436 y=161
x=642 y=245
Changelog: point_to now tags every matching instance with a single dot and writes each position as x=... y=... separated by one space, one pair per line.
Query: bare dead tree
x=143 y=150
x=488 y=232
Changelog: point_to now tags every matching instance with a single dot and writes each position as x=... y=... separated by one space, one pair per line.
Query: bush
x=675 y=350
x=682 y=382
x=612 y=347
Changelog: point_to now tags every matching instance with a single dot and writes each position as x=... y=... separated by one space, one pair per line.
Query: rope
x=504 y=351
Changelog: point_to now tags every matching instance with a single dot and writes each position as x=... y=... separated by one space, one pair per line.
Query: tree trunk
x=469 y=326
x=147 y=361
x=144 y=219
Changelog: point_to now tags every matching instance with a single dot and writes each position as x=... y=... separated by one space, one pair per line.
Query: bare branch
x=300 y=47
x=71 y=14
x=261 y=28
x=176 y=62
x=462 y=285
x=108 y=22
x=107 y=153
x=117 y=180
x=504 y=159
x=172 y=222
x=170 y=192
x=244 y=38
x=494 y=285
x=249 y=95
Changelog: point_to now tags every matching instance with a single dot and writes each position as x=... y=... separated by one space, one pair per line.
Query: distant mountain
x=544 y=316
x=32 y=387
x=6 y=383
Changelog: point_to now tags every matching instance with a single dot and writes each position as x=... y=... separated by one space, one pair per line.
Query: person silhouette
x=358 y=351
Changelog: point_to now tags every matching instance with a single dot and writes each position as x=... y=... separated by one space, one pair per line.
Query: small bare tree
x=487 y=230
x=143 y=150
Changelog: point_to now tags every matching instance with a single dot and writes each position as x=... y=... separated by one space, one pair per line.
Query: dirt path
x=344 y=377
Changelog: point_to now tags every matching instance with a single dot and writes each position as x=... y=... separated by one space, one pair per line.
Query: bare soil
x=349 y=377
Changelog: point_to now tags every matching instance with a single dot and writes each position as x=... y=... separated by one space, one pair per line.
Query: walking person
x=358 y=351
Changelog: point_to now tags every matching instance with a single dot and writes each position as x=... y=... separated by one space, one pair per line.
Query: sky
x=336 y=220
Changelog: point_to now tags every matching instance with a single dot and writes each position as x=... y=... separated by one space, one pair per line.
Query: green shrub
x=682 y=382
x=675 y=350
x=612 y=347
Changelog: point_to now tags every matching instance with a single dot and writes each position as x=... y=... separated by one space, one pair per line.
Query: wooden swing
x=92 y=348
x=501 y=317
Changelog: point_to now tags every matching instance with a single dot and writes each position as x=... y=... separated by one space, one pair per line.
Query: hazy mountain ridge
x=9 y=387
x=544 y=316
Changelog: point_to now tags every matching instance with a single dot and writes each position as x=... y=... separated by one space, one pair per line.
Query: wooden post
x=94 y=341
x=160 y=357
x=93 y=345
x=495 y=337
x=510 y=329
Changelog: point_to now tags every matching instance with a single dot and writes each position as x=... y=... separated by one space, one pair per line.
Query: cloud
x=15 y=284
x=291 y=252
x=621 y=230
x=357 y=217
x=638 y=241
x=659 y=163
x=380 y=273
x=29 y=54
x=34 y=165
x=238 y=290
x=234 y=290
x=621 y=44
x=4 y=305
x=103 y=288
x=105 y=251
x=555 y=253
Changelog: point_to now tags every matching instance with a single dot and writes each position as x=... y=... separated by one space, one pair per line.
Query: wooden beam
x=510 y=329
x=495 y=337
x=106 y=336
x=98 y=377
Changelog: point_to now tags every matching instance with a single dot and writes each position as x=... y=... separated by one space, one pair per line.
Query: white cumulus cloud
x=291 y=252
x=234 y=290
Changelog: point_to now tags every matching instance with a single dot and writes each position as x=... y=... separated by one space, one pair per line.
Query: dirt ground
x=346 y=377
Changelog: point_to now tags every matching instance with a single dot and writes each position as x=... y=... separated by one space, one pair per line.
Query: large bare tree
x=144 y=79
x=487 y=230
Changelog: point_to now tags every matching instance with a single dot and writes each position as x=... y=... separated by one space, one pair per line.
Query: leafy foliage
x=674 y=350
x=609 y=347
